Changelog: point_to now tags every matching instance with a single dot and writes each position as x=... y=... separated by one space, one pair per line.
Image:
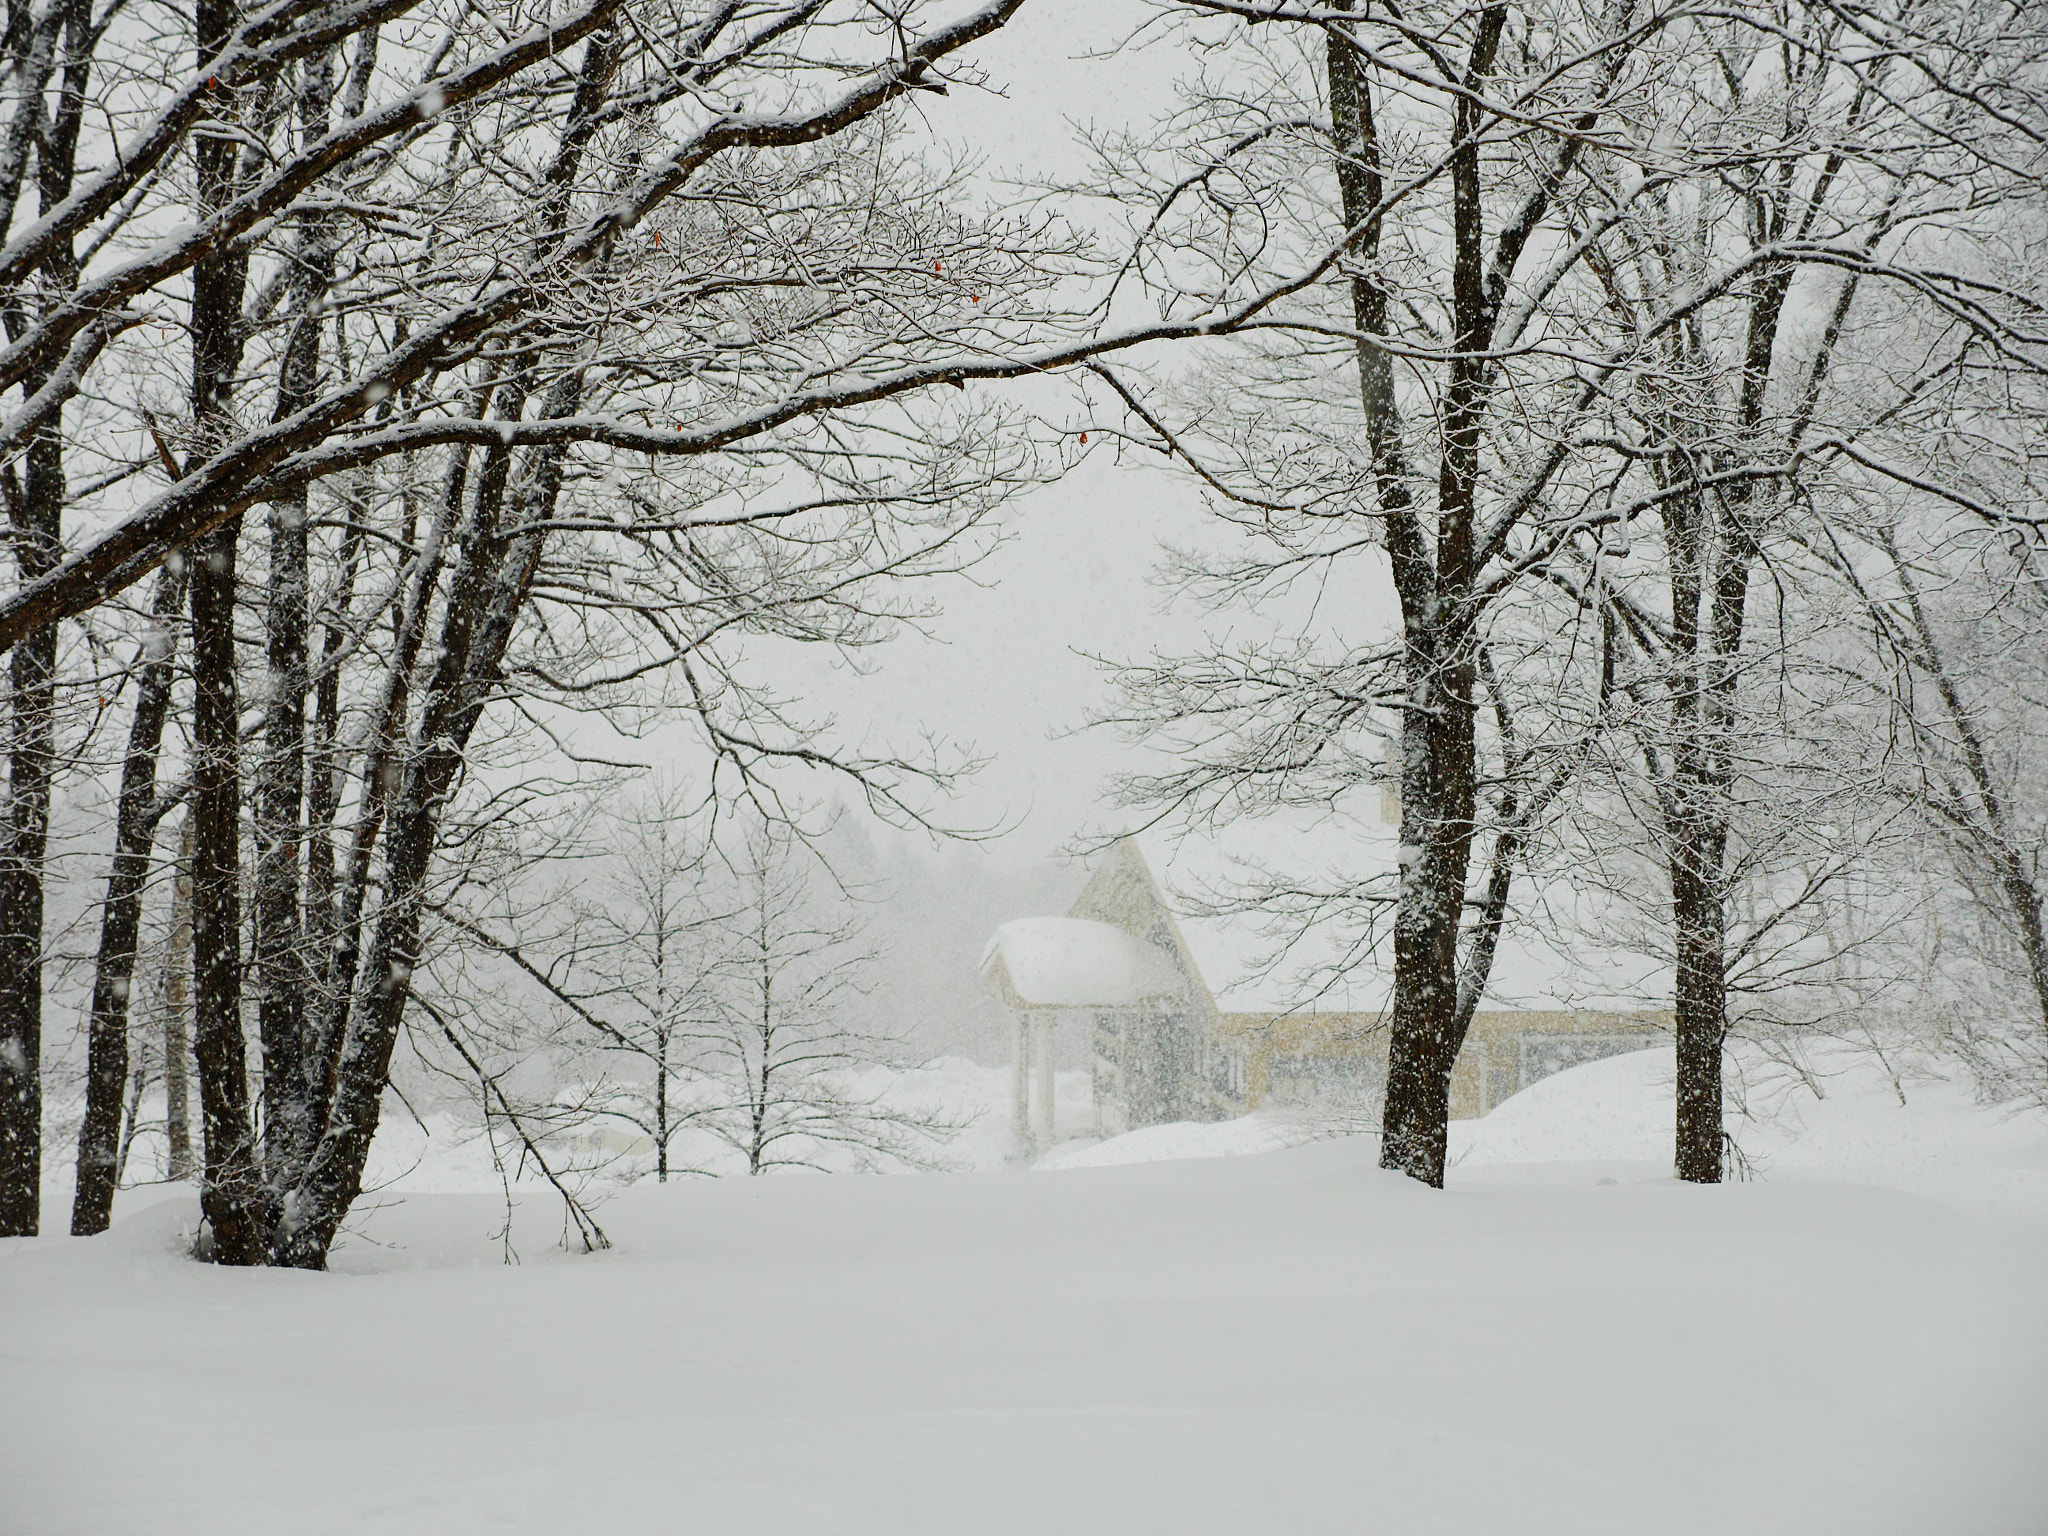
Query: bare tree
x=472 y=324
x=53 y=75
x=1757 y=433
x=1956 y=631
x=1423 y=404
x=782 y=1042
x=139 y=812
x=618 y=952
x=1574 y=242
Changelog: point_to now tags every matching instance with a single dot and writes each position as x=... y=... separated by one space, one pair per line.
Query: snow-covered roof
x=1072 y=962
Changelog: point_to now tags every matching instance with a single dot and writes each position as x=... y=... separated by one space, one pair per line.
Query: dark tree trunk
x=38 y=510
x=1710 y=554
x=135 y=823
x=327 y=770
x=280 y=792
x=1426 y=1029
x=279 y=796
x=1711 y=546
x=490 y=589
x=1701 y=998
x=487 y=595
x=26 y=832
x=1434 y=578
x=233 y=1196
x=348 y=894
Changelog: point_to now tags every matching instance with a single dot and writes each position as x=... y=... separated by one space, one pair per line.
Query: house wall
x=1186 y=1060
x=1337 y=1061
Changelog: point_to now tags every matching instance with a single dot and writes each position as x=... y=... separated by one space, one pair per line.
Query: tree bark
x=487 y=594
x=327 y=765
x=135 y=824
x=233 y=1195
x=485 y=600
x=37 y=507
x=1434 y=580
x=31 y=766
x=1701 y=1001
x=280 y=789
x=489 y=591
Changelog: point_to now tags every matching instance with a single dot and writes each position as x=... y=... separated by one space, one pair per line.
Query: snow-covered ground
x=1831 y=1114
x=1169 y=1341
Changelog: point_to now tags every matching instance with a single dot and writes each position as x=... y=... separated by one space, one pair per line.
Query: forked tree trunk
x=1433 y=577
x=1427 y=1027
x=487 y=594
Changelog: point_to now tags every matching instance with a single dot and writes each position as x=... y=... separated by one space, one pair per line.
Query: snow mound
x=1815 y=1110
x=1182 y=1139
x=1617 y=1108
x=1826 y=1111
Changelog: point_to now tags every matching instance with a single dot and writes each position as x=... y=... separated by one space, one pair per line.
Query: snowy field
x=1144 y=1337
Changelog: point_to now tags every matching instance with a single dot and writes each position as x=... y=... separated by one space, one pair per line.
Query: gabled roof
x=1122 y=893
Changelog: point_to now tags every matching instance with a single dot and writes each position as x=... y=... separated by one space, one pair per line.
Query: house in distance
x=1118 y=968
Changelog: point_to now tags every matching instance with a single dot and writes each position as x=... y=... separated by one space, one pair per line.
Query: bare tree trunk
x=177 y=1031
x=135 y=823
x=348 y=893
x=279 y=796
x=233 y=1196
x=486 y=596
x=37 y=505
x=488 y=593
x=1700 y=998
x=327 y=769
x=280 y=790
x=138 y=1081
x=1434 y=579
x=26 y=832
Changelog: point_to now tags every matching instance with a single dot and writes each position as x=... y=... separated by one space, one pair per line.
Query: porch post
x=1020 y=1080
x=1042 y=1126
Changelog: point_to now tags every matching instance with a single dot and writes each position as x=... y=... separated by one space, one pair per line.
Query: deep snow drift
x=1564 y=1341
x=1828 y=1113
